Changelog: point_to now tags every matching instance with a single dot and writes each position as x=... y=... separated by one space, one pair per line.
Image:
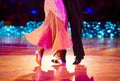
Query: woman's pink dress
x=53 y=34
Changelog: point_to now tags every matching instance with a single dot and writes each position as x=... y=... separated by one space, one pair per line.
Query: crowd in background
x=18 y=12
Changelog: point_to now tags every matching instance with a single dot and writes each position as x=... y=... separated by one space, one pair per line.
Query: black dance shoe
x=77 y=60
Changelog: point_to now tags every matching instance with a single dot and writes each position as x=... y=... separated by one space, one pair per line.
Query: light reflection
x=60 y=73
x=91 y=29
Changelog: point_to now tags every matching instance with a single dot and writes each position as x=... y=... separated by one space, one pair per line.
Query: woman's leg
x=39 y=54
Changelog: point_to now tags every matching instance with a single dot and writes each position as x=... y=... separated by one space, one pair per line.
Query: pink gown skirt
x=53 y=34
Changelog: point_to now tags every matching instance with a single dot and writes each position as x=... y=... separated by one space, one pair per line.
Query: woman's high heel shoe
x=39 y=54
x=60 y=62
x=59 y=58
x=54 y=59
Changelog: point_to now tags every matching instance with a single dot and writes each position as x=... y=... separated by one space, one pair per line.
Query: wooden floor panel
x=101 y=63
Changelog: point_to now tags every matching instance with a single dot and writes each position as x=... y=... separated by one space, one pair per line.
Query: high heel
x=54 y=59
x=37 y=60
x=39 y=54
x=60 y=62
x=59 y=57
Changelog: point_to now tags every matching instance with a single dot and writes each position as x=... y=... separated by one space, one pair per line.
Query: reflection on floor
x=101 y=63
x=59 y=74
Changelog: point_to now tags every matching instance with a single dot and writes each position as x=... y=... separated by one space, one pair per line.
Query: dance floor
x=101 y=63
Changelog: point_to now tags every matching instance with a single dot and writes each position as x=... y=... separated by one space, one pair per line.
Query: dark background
x=18 y=12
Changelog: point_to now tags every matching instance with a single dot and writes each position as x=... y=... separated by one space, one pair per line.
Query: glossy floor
x=101 y=63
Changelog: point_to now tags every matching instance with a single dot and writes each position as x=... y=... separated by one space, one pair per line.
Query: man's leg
x=72 y=8
x=77 y=43
x=79 y=53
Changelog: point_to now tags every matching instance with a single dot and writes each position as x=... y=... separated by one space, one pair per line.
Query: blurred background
x=19 y=17
x=18 y=12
